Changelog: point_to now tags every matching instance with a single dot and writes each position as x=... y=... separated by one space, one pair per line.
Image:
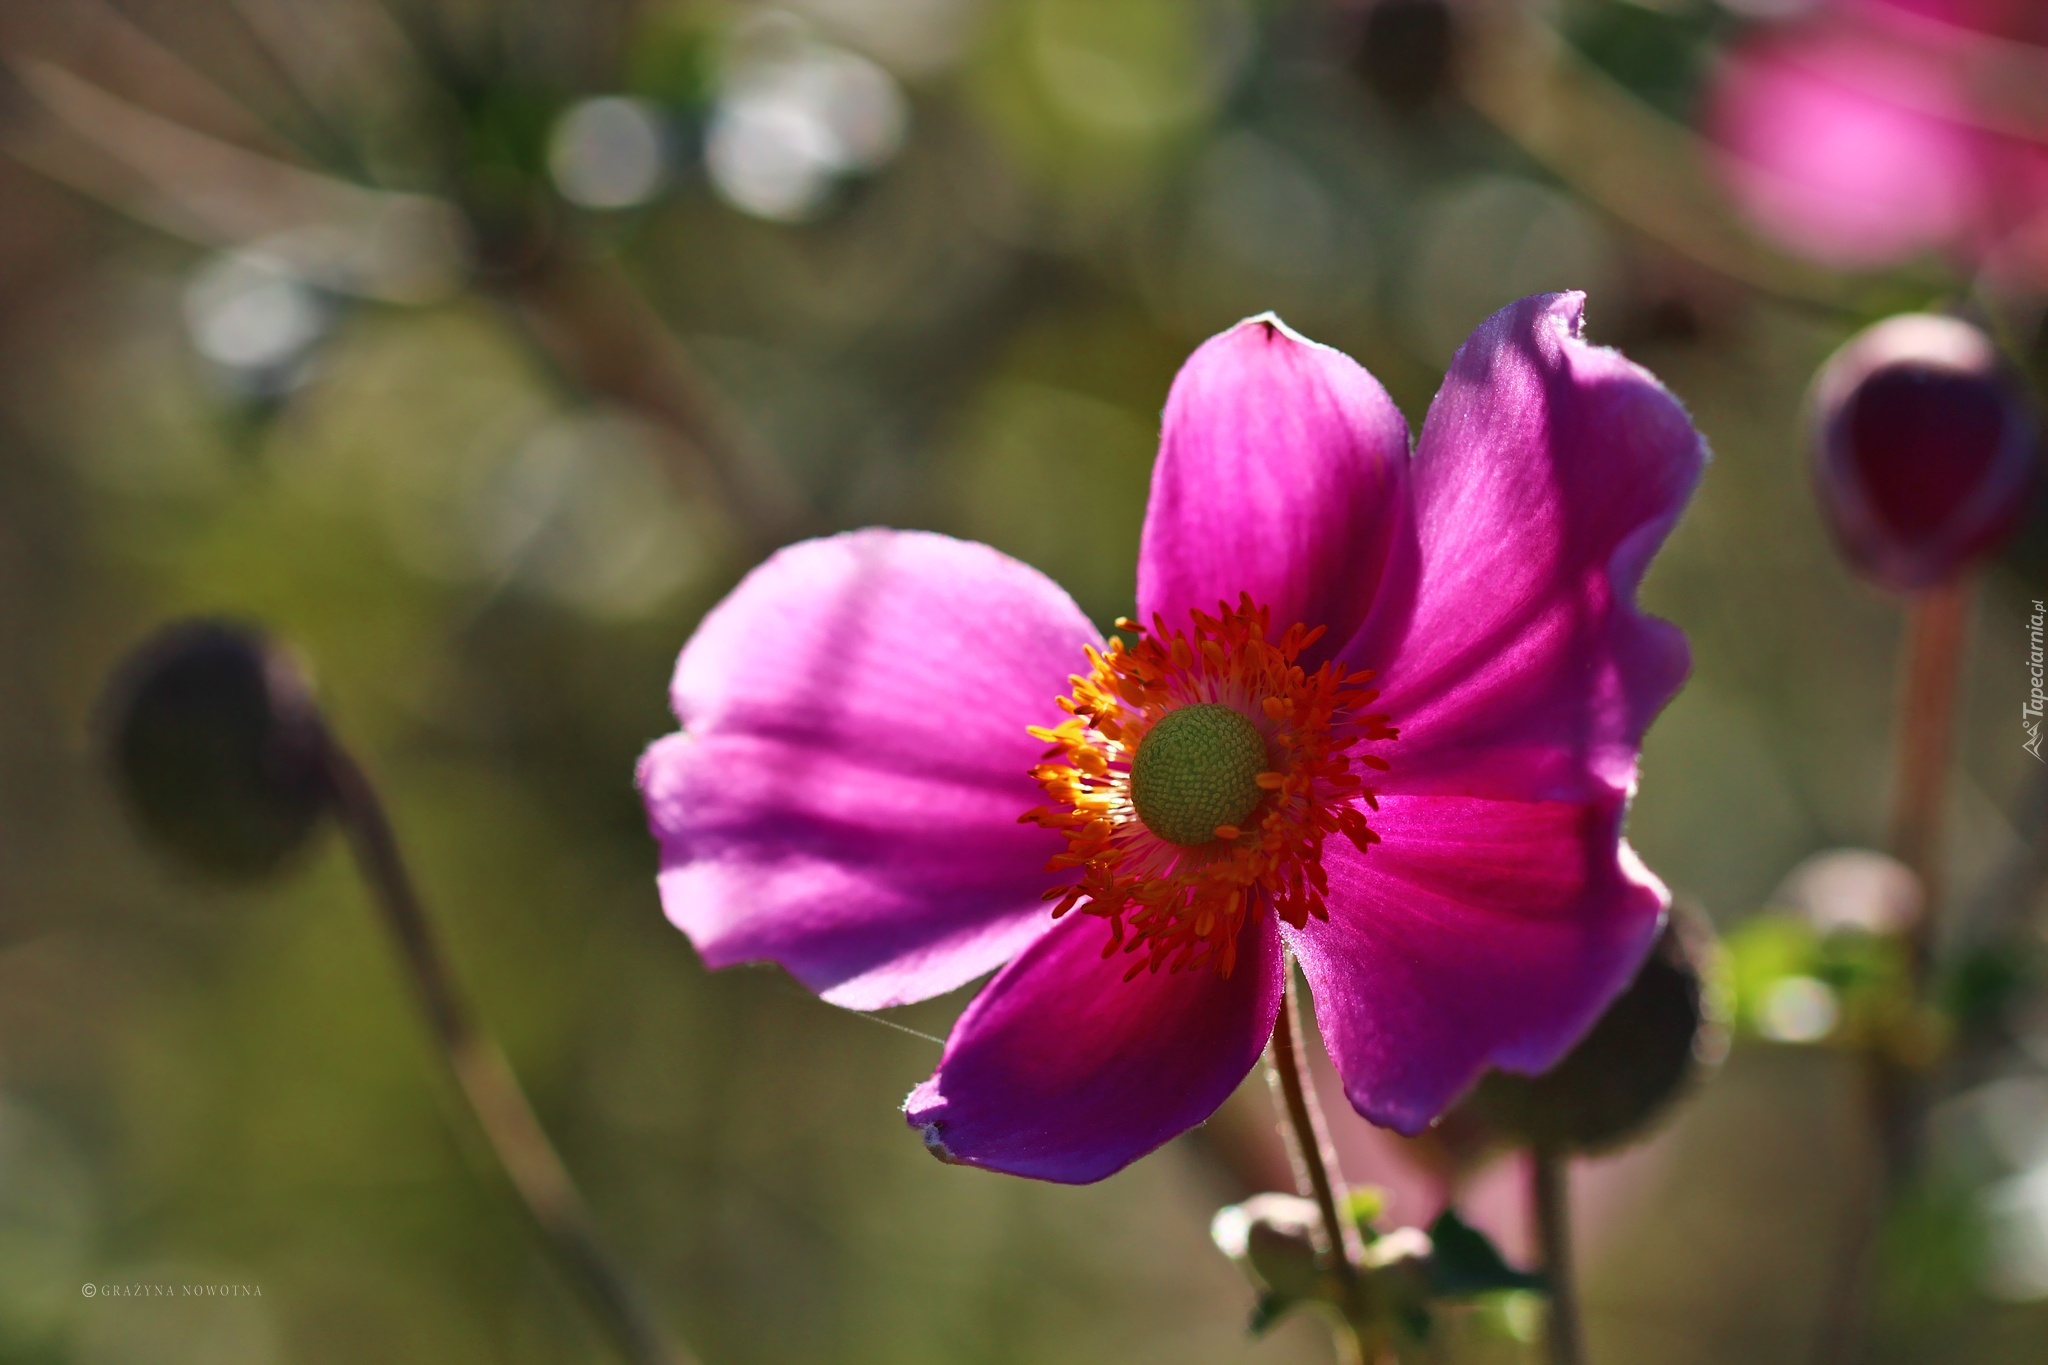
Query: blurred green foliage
x=489 y=567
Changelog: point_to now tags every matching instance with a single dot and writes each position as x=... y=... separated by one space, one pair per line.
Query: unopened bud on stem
x=1274 y=1237
x=1925 y=452
x=1627 y=1070
x=217 y=748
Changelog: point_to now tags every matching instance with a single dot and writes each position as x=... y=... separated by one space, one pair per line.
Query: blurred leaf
x=1762 y=951
x=1657 y=52
x=1365 y=1205
x=1268 y=1311
x=1980 y=987
x=672 y=59
x=1932 y=1255
x=1794 y=983
x=1465 y=1261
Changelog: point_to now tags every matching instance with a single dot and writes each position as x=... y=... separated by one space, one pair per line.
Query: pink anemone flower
x=891 y=778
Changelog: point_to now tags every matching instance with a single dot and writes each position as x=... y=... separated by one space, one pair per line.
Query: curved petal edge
x=1062 y=1070
x=1516 y=662
x=1478 y=933
x=1282 y=472
x=844 y=799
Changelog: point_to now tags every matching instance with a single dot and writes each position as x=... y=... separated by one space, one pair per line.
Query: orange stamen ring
x=1178 y=902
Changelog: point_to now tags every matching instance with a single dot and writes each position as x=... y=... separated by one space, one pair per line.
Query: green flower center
x=1197 y=768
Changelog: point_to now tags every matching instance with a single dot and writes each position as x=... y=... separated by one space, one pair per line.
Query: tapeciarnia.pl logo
x=2037 y=695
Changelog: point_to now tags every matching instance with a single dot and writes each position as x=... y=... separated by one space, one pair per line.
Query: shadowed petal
x=1515 y=661
x=1280 y=474
x=844 y=798
x=1480 y=933
x=1062 y=1070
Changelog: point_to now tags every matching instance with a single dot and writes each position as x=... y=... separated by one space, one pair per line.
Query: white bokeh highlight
x=251 y=315
x=794 y=118
x=609 y=153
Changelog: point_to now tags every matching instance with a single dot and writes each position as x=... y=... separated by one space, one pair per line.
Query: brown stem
x=1931 y=672
x=1930 y=677
x=1548 y=1172
x=1840 y=1335
x=1937 y=621
x=595 y=325
x=486 y=1080
x=1316 y=1173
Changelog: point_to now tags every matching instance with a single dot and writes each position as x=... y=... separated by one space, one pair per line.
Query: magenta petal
x=1062 y=1070
x=2020 y=21
x=1280 y=473
x=1516 y=663
x=845 y=797
x=1478 y=933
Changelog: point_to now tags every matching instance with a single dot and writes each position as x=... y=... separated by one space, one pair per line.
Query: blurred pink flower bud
x=1925 y=451
x=1866 y=133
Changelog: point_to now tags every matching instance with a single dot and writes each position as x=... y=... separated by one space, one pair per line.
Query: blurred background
x=478 y=346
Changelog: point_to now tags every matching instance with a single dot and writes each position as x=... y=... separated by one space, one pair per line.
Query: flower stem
x=1316 y=1173
x=486 y=1080
x=585 y=316
x=1930 y=677
x=1840 y=1330
x=1548 y=1171
x=1931 y=672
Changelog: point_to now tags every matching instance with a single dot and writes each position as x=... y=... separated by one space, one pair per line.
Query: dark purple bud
x=1641 y=1055
x=217 y=747
x=1925 y=451
x=1407 y=51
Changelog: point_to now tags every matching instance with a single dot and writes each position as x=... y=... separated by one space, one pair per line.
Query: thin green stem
x=1549 y=1171
x=487 y=1082
x=1316 y=1173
